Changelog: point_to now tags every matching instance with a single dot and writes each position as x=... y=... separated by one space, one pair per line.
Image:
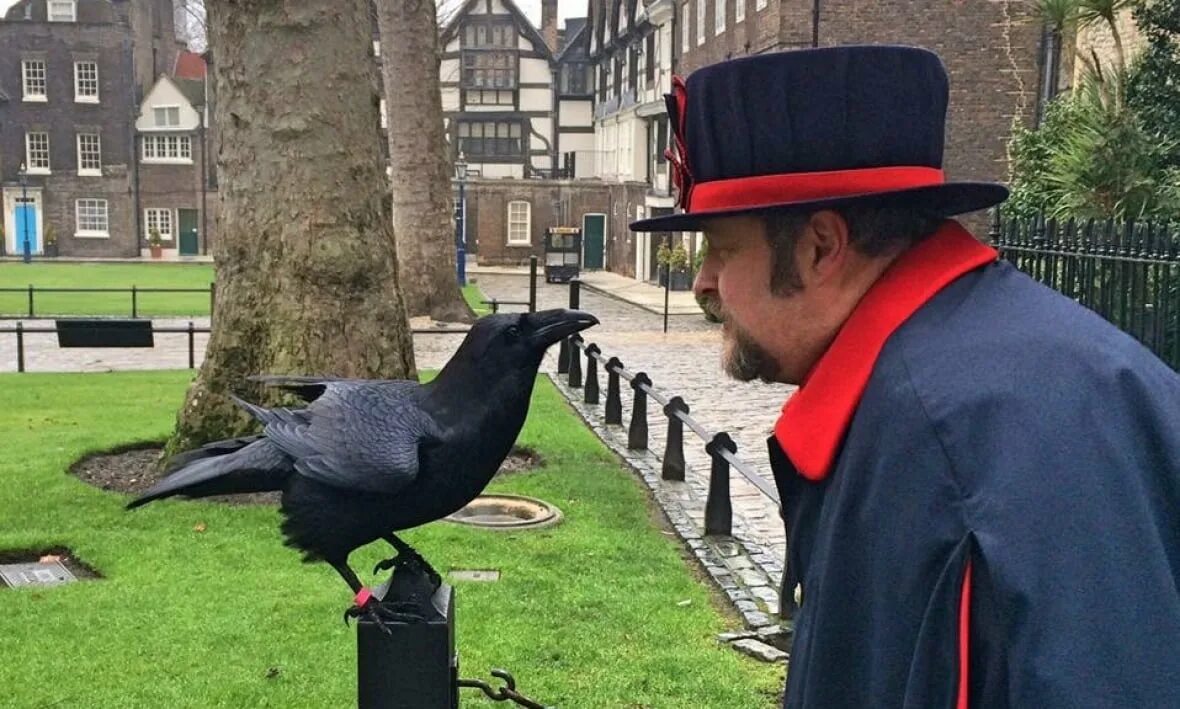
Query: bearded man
x=979 y=476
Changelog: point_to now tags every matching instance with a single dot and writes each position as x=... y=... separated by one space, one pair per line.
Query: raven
x=366 y=458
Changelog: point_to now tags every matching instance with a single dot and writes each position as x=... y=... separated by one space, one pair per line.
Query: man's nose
x=706 y=281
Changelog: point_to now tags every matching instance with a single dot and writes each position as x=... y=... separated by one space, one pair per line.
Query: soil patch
x=132 y=470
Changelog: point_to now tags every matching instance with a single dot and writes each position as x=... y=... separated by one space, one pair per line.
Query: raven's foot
x=408 y=559
x=380 y=614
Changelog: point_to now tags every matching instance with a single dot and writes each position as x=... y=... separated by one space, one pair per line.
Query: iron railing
x=1128 y=272
x=134 y=291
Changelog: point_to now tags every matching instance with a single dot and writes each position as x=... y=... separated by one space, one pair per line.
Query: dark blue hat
x=813 y=128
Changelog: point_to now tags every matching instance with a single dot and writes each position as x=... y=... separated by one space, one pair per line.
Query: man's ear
x=824 y=246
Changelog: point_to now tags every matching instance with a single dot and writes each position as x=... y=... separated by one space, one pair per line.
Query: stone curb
x=673 y=310
x=740 y=568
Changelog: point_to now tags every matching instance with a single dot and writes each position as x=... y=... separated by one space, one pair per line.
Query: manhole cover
x=39 y=574
x=507 y=512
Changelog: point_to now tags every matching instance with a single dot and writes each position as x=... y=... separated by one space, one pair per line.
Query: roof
x=573 y=25
x=457 y=8
x=189 y=65
x=193 y=90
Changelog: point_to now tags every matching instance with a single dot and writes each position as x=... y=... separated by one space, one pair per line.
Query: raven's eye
x=513 y=331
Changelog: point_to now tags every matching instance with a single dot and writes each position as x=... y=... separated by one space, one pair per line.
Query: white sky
x=531 y=8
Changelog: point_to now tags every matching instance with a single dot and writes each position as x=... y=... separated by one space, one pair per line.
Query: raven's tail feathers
x=223 y=468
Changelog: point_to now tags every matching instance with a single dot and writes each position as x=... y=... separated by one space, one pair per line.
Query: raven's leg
x=405 y=555
x=368 y=606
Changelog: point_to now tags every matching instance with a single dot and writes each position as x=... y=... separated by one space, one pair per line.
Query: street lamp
x=461 y=223
x=22 y=174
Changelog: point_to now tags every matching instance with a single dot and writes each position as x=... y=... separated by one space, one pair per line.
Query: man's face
x=765 y=334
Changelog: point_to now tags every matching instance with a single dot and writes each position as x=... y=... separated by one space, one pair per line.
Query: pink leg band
x=362 y=597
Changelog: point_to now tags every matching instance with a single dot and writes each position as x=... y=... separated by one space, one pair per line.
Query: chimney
x=549 y=23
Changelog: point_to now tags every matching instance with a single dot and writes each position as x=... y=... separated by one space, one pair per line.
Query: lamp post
x=461 y=223
x=22 y=174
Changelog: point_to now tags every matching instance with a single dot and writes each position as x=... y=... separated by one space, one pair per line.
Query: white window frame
x=759 y=4
x=155 y=148
x=89 y=171
x=27 y=76
x=739 y=11
x=53 y=9
x=702 y=15
x=719 y=16
x=384 y=115
x=156 y=120
x=80 y=97
x=106 y=216
x=685 y=34
x=151 y=217
x=528 y=224
x=377 y=48
x=31 y=166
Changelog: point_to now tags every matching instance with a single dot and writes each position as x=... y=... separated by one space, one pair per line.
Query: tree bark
x=421 y=173
x=306 y=263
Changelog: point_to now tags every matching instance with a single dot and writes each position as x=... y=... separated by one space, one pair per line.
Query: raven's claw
x=385 y=565
x=380 y=614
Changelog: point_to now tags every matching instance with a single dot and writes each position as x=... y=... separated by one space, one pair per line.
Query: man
x=978 y=476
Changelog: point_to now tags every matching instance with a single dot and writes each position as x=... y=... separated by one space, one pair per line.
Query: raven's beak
x=555 y=325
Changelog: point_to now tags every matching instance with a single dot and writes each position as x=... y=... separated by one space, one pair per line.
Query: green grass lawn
x=475 y=297
x=105 y=275
x=599 y=611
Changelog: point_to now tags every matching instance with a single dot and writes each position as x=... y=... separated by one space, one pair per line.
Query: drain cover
x=507 y=512
x=47 y=574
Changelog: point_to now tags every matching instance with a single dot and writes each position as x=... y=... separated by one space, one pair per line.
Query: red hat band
x=769 y=190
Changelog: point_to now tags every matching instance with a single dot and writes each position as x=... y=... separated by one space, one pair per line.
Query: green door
x=188 y=233
x=593 y=232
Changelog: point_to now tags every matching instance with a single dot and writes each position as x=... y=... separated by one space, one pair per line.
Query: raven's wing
x=309 y=388
x=357 y=434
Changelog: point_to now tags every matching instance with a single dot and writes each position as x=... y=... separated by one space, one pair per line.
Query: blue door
x=26 y=223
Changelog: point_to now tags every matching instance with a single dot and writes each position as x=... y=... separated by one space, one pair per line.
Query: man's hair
x=873 y=231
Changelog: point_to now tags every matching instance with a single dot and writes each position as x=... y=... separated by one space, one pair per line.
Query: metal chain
x=507 y=693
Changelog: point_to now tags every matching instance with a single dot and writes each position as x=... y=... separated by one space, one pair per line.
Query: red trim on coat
x=815 y=419
x=964 y=636
x=765 y=190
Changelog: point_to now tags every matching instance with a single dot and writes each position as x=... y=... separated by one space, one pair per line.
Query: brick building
x=73 y=76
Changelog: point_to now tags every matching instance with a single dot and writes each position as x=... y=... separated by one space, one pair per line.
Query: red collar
x=816 y=417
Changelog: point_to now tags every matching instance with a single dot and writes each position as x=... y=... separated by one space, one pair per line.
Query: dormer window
x=166 y=116
x=63 y=10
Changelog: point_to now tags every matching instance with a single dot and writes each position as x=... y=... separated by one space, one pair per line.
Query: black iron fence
x=720 y=446
x=1128 y=272
x=134 y=292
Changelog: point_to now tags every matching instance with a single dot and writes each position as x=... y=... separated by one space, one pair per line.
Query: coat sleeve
x=1072 y=506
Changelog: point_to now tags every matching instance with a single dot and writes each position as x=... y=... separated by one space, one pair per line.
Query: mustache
x=713 y=308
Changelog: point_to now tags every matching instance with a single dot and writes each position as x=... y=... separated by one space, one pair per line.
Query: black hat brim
x=945 y=200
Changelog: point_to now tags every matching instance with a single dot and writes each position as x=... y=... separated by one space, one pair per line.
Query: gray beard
x=743 y=359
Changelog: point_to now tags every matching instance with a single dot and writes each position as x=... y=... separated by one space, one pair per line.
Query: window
x=63 y=10
x=739 y=11
x=575 y=78
x=650 y=56
x=489 y=34
x=490 y=139
x=167 y=116
x=33 y=80
x=519 y=216
x=91 y=217
x=633 y=68
x=700 y=22
x=86 y=82
x=89 y=155
x=685 y=16
x=760 y=4
x=167 y=148
x=384 y=115
x=160 y=219
x=489 y=70
x=377 y=48
x=719 y=16
x=483 y=97
x=37 y=152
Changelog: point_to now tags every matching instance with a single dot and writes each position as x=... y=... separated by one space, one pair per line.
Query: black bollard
x=591 y=390
x=718 y=508
x=637 y=434
x=674 y=451
x=614 y=403
x=563 y=356
x=575 y=364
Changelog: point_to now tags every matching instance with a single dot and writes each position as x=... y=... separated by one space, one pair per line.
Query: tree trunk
x=421 y=172
x=307 y=278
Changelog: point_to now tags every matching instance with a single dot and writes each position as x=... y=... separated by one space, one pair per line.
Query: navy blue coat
x=1006 y=429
